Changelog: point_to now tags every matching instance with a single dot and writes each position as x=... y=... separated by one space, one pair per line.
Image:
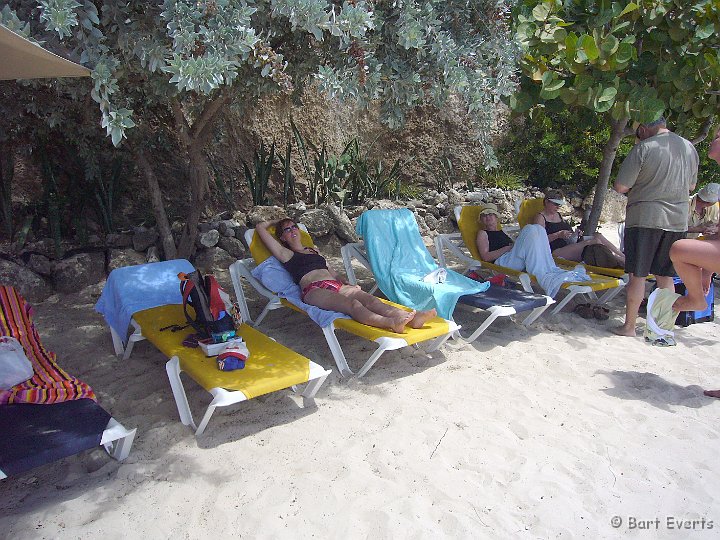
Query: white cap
x=710 y=193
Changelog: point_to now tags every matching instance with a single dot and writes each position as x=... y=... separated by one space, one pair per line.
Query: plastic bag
x=15 y=368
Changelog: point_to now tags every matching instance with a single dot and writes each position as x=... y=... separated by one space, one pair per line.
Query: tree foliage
x=169 y=68
x=623 y=60
x=631 y=60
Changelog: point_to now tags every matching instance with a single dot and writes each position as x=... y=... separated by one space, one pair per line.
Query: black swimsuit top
x=552 y=227
x=301 y=264
x=497 y=240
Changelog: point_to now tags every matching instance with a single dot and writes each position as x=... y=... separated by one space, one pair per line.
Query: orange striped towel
x=49 y=384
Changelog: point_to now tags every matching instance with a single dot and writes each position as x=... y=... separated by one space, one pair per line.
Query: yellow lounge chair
x=437 y=330
x=270 y=365
x=530 y=208
x=469 y=226
x=495 y=301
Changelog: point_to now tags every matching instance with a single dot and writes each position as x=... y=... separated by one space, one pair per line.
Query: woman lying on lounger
x=559 y=233
x=321 y=287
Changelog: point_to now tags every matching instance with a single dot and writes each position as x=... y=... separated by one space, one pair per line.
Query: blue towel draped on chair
x=400 y=261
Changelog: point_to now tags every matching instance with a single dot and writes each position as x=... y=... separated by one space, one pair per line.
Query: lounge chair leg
x=480 y=329
x=436 y=343
x=117 y=342
x=173 y=372
x=371 y=361
x=206 y=418
x=311 y=389
x=337 y=352
x=117 y=440
x=564 y=302
x=135 y=336
x=264 y=312
x=534 y=314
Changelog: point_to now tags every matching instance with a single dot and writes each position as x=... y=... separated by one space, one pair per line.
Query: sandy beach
x=552 y=431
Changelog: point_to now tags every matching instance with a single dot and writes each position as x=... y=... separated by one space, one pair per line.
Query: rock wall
x=37 y=272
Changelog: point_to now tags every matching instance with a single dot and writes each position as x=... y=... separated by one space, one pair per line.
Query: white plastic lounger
x=496 y=301
x=270 y=366
x=436 y=331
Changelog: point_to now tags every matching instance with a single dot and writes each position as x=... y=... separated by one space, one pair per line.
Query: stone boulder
x=143 y=238
x=117 y=258
x=318 y=222
x=613 y=209
x=152 y=255
x=233 y=246
x=118 y=240
x=343 y=226
x=79 y=271
x=39 y=264
x=32 y=286
x=211 y=259
x=259 y=214
x=208 y=238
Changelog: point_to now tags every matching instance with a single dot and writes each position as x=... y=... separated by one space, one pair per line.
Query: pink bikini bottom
x=329 y=284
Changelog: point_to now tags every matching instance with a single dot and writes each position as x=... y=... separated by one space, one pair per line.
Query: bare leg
x=375 y=305
x=635 y=292
x=616 y=251
x=325 y=299
x=421 y=317
x=573 y=252
x=694 y=261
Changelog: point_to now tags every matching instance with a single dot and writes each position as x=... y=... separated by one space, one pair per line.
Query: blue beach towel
x=399 y=259
x=134 y=288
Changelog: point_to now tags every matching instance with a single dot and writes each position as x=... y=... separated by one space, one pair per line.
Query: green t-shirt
x=660 y=172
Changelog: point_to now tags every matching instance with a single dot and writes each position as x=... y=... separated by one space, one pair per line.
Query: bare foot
x=686 y=303
x=402 y=321
x=421 y=317
x=712 y=393
x=624 y=331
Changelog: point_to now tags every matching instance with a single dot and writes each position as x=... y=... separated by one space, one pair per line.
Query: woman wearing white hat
x=695 y=261
x=559 y=232
x=704 y=212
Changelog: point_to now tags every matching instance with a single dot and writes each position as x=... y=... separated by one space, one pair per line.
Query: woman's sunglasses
x=289 y=228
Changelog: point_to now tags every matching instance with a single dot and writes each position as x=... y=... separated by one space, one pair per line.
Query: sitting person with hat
x=564 y=243
x=494 y=246
x=704 y=215
x=530 y=252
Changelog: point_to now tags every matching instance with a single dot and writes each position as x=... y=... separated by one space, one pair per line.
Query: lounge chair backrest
x=528 y=209
x=260 y=252
x=469 y=227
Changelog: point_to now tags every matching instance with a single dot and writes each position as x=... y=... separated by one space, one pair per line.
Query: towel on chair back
x=400 y=261
x=135 y=288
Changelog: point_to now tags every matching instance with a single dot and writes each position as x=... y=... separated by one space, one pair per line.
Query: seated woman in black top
x=321 y=287
x=559 y=232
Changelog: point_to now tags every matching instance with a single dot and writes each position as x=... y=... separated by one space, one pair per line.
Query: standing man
x=658 y=175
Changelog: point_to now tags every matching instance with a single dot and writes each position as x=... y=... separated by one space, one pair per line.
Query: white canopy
x=23 y=59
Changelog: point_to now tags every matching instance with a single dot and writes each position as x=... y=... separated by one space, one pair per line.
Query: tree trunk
x=166 y=238
x=193 y=139
x=617 y=133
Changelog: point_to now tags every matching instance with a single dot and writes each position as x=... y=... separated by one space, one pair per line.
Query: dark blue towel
x=33 y=435
x=500 y=296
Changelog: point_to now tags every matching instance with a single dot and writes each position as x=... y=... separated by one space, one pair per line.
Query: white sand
x=535 y=433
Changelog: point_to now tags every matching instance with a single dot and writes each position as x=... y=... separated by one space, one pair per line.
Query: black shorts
x=647 y=251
